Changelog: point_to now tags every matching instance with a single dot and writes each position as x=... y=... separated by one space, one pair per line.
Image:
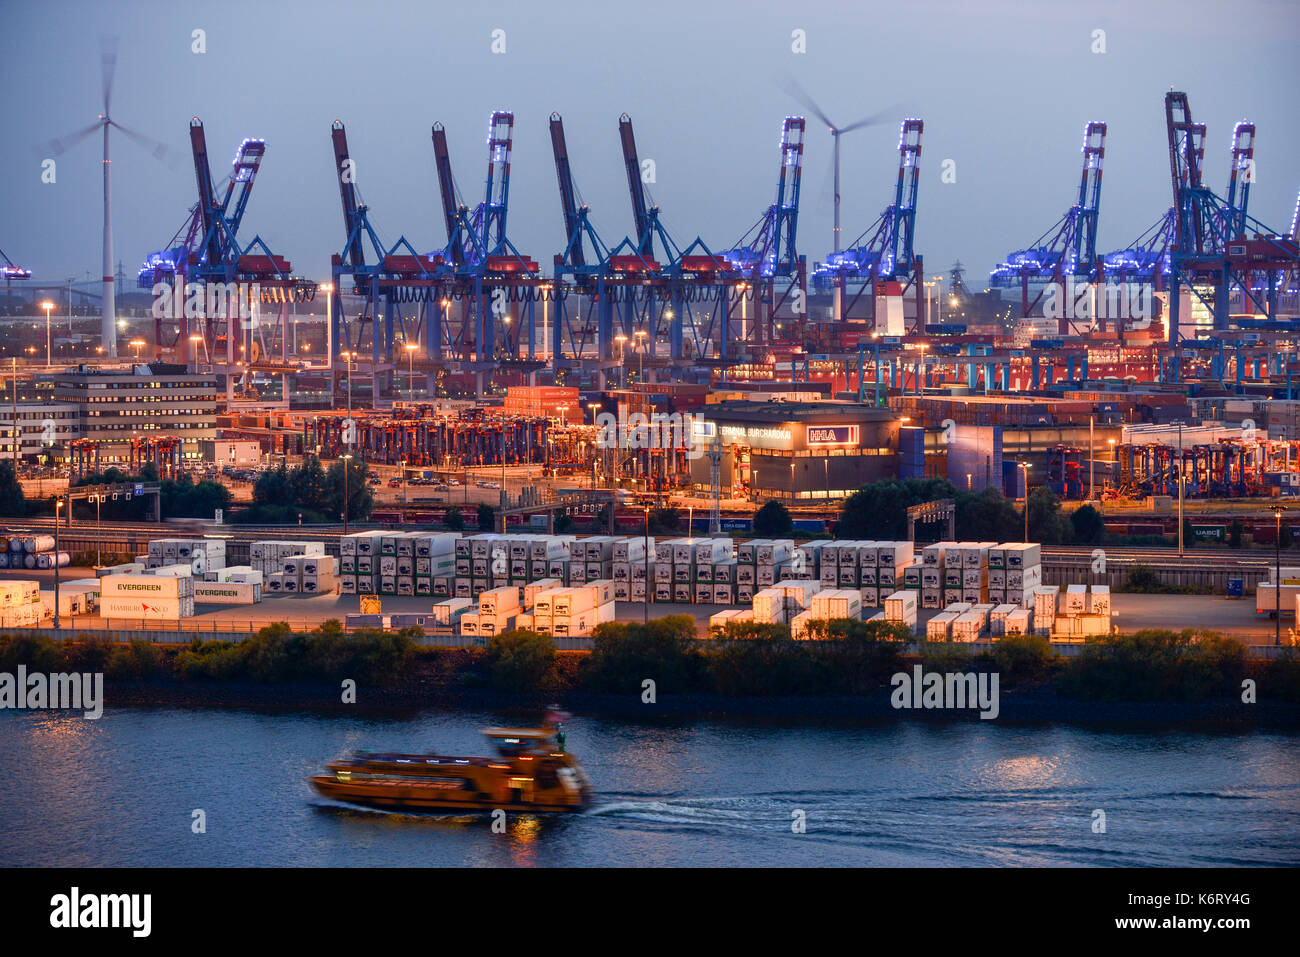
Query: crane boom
x=347 y=191
x=447 y=190
x=568 y=194
x=632 y=164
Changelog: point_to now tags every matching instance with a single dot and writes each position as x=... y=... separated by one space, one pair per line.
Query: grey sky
x=1004 y=88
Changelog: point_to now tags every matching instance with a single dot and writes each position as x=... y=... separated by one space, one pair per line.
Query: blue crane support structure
x=237 y=282
x=590 y=283
x=767 y=255
x=1217 y=246
x=886 y=249
x=400 y=287
x=489 y=287
x=1069 y=248
x=687 y=298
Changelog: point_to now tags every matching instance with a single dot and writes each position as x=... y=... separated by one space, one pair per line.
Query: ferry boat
x=530 y=772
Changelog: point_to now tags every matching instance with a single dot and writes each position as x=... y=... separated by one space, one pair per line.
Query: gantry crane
x=885 y=251
x=1069 y=248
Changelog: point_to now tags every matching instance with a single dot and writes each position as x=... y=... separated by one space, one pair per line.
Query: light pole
x=1025 y=467
x=1180 y=490
x=643 y=338
x=347 y=460
x=206 y=358
x=58 y=506
x=622 y=341
x=410 y=370
x=49 y=356
x=647 y=563
x=1277 y=575
x=15 y=398
x=137 y=345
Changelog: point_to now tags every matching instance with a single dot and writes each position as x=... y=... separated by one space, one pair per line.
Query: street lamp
x=58 y=506
x=622 y=341
x=646 y=603
x=1277 y=574
x=411 y=348
x=137 y=345
x=643 y=338
x=47 y=306
x=347 y=459
x=197 y=338
x=1025 y=467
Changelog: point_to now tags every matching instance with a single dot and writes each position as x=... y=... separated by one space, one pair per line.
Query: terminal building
x=800 y=452
x=117 y=406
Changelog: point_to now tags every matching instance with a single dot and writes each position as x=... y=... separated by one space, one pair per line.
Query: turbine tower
x=800 y=94
x=108 y=64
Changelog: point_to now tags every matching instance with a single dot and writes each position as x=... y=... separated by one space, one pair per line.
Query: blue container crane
x=1069 y=248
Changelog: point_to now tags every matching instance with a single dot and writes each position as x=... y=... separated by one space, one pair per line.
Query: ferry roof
x=537 y=733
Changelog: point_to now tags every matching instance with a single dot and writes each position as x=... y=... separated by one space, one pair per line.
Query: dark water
x=120 y=791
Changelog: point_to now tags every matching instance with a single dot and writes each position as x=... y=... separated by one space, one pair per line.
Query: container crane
x=690 y=291
x=767 y=253
x=489 y=279
x=1213 y=247
x=235 y=278
x=397 y=276
x=885 y=251
x=1069 y=248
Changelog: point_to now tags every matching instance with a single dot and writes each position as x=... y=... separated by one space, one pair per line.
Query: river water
x=122 y=791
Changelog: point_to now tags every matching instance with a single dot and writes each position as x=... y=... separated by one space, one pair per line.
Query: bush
x=486 y=517
x=625 y=654
x=1281 y=677
x=1087 y=525
x=1155 y=665
x=454 y=519
x=1022 y=657
x=773 y=520
x=767 y=665
x=521 y=661
x=277 y=654
x=37 y=654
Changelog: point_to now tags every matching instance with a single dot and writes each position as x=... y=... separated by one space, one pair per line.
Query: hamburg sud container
x=146 y=596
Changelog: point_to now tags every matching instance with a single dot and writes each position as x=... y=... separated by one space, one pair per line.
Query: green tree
x=986 y=516
x=486 y=517
x=1234 y=533
x=453 y=519
x=274 y=487
x=879 y=511
x=664 y=521
x=521 y=661
x=563 y=521
x=773 y=520
x=361 y=501
x=1087 y=525
x=13 y=504
x=1046 y=523
x=1189 y=538
x=311 y=489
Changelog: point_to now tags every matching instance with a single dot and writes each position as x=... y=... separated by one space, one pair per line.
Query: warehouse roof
x=745 y=411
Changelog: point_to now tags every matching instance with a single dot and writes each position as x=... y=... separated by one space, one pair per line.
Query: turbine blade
x=161 y=151
x=108 y=66
x=871 y=120
x=59 y=146
x=792 y=87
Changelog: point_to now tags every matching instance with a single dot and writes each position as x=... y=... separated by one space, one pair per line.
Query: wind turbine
x=108 y=63
x=800 y=94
